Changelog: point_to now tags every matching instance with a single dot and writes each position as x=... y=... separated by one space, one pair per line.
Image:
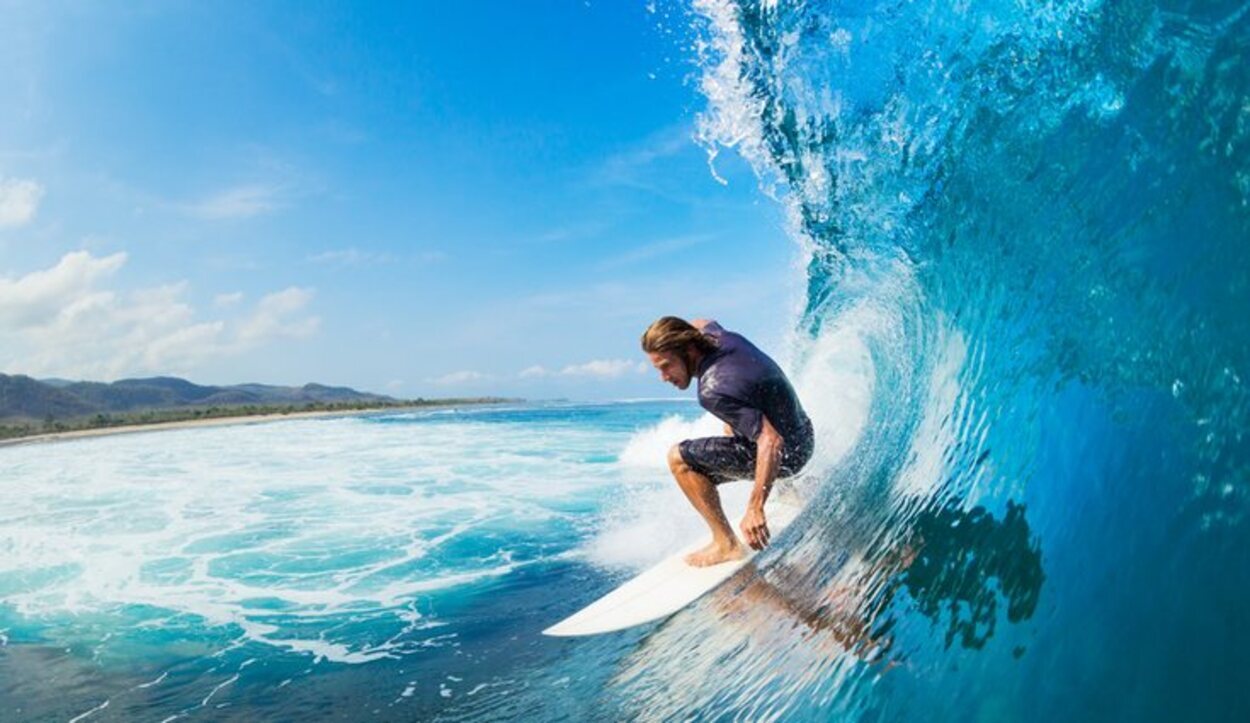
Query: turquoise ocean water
x=1024 y=344
x=393 y=565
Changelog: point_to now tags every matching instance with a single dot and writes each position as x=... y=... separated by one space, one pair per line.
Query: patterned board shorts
x=726 y=458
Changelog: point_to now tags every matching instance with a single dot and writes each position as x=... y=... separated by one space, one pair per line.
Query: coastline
x=241 y=419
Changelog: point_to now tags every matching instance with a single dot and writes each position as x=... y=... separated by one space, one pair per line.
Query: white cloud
x=243 y=201
x=102 y=334
x=230 y=299
x=596 y=369
x=272 y=317
x=39 y=297
x=62 y=322
x=183 y=348
x=601 y=369
x=19 y=201
x=460 y=377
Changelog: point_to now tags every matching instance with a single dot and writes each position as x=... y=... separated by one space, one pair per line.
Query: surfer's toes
x=715 y=554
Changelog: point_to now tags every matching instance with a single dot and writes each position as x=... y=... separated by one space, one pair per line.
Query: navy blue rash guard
x=740 y=385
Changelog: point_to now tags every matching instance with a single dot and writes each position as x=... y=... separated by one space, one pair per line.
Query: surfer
x=767 y=434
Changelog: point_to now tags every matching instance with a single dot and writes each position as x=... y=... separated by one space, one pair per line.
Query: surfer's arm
x=700 y=323
x=768 y=457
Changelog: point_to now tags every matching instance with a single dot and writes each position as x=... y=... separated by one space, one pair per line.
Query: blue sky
x=445 y=199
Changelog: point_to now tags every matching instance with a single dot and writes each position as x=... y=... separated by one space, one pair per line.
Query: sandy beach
x=190 y=423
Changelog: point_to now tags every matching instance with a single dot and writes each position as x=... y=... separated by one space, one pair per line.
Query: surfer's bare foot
x=716 y=553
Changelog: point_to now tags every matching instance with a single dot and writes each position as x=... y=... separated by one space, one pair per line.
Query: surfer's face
x=672 y=368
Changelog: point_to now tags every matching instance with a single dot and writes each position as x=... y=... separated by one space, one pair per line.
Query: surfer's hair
x=671 y=334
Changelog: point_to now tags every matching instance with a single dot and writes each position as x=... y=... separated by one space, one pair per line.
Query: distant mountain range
x=25 y=399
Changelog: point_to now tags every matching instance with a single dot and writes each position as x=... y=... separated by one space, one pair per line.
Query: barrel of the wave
x=1035 y=216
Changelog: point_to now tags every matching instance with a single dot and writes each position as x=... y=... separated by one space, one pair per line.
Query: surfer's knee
x=676 y=462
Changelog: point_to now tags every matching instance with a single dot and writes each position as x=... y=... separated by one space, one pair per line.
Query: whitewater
x=275 y=567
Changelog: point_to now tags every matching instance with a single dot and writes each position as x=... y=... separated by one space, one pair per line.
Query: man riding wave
x=767 y=434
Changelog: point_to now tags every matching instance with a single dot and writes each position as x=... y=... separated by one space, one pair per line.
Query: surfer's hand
x=755 y=528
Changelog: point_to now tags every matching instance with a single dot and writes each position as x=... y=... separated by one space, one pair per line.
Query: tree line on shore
x=31 y=407
x=51 y=425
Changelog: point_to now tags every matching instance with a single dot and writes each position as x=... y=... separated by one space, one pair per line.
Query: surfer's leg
x=702 y=493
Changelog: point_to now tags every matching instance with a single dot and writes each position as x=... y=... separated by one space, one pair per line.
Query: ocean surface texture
x=1025 y=348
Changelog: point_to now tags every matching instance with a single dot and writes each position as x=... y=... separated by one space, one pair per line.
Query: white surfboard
x=664 y=589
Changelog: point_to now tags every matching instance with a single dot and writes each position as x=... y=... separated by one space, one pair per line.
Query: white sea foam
x=268 y=528
x=649 y=516
x=834 y=379
x=648 y=448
